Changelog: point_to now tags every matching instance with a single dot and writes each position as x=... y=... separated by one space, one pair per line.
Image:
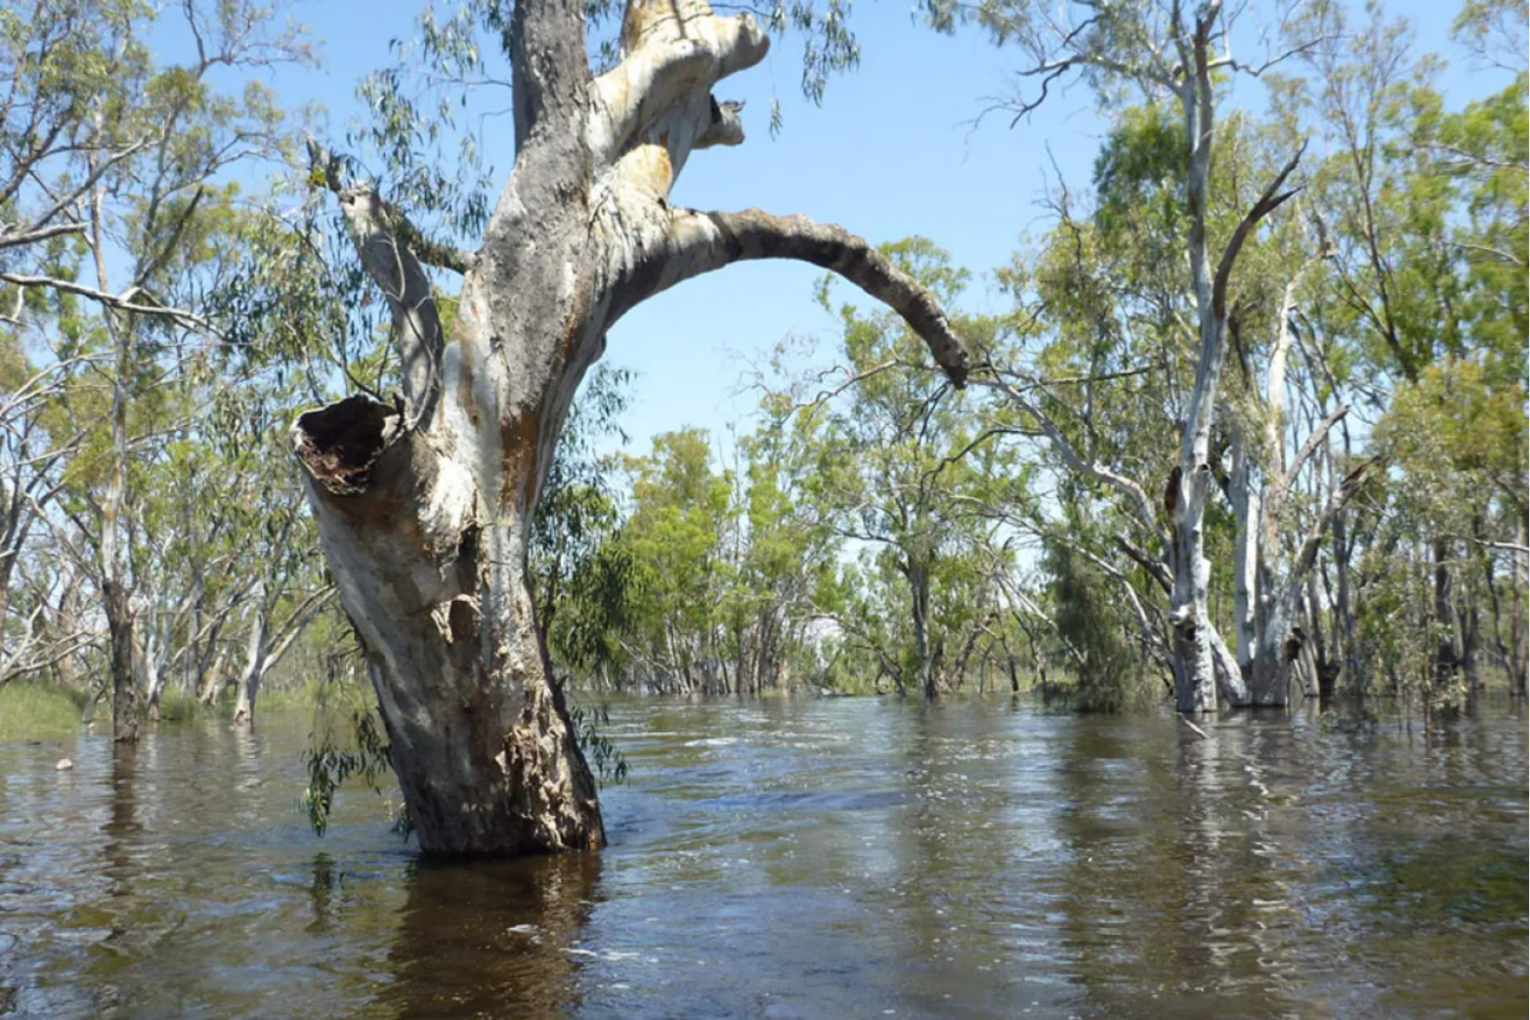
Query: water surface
x=782 y=858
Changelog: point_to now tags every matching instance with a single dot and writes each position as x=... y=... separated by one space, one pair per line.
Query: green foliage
x=1091 y=624
x=587 y=583
x=1139 y=171
x=347 y=741
x=899 y=468
x=610 y=765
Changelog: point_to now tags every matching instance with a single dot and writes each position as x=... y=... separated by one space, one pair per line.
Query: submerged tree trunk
x=119 y=622
x=424 y=507
x=1325 y=654
x=919 y=592
x=249 y=678
x=1354 y=676
x=1446 y=659
x=1245 y=507
x=1519 y=660
x=1195 y=651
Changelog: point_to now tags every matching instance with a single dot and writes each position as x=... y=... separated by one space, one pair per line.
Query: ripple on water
x=789 y=858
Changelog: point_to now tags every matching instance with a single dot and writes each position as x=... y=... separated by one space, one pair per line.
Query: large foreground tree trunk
x=425 y=506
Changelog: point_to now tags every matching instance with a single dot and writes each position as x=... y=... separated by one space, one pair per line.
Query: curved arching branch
x=700 y=242
x=1269 y=200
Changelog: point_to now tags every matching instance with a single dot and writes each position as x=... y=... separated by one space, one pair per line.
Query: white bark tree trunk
x=268 y=644
x=1245 y=507
x=1189 y=485
x=424 y=508
x=254 y=670
x=1196 y=651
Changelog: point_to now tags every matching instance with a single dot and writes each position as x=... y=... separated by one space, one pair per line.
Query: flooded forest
x=1106 y=602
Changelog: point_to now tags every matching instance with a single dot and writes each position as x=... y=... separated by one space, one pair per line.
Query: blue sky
x=891 y=152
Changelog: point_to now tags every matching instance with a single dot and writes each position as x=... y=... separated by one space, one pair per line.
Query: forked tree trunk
x=1197 y=649
x=425 y=506
x=268 y=646
x=250 y=676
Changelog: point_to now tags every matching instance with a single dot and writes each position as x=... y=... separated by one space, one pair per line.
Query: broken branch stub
x=425 y=508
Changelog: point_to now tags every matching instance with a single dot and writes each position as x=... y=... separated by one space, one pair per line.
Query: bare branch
x=130 y=300
x=1338 y=501
x=12 y=239
x=1258 y=69
x=1310 y=446
x=43 y=220
x=1482 y=249
x=1505 y=546
x=1268 y=202
x=1093 y=469
x=1156 y=568
x=700 y=242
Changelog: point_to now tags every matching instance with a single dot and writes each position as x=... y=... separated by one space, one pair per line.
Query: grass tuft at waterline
x=34 y=711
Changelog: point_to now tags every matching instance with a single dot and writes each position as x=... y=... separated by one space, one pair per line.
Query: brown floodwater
x=784 y=858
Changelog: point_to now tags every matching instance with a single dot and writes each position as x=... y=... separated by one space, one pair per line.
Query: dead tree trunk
x=425 y=506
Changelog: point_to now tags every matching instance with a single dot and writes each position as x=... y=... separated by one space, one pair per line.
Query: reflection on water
x=800 y=858
x=475 y=942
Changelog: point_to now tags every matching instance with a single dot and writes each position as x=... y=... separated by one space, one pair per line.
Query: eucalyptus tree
x=682 y=512
x=1478 y=146
x=287 y=590
x=584 y=577
x=425 y=505
x=895 y=453
x=33 y=452
x=1428 y=217
x=1172 y=55
x=785 y=556
x=127 y=159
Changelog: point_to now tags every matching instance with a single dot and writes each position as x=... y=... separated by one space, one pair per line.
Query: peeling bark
x=424 y=507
